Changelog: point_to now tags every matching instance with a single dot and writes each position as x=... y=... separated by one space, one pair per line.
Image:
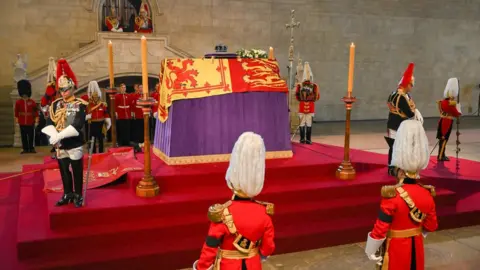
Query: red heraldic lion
x=407 y=210
x=241 y=232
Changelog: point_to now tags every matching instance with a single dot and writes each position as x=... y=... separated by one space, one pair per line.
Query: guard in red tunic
x=143 y=22
x=98 y=119
x=401 y=107
x=26 y=116
x=241 y=232
x=137 y=115
x=306 y=93
x=123 y=114
x=449 y=109
x=407 y=210
x=51 y=93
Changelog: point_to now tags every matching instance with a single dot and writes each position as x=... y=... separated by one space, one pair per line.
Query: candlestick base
x=147 y=187
x=345 y=171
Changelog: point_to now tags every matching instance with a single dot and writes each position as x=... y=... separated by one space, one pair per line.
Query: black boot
x=390 y=143
x=77 y=168
x=64 y=166
x=309 y=135
x=66 y=199
x=302 y=135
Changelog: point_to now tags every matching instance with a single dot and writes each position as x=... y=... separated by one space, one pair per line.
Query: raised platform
x=118 y=230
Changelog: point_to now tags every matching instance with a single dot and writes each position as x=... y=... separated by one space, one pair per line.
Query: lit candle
x=144 y=67
x=270 y=54
x=110 y=63
x=350 y=69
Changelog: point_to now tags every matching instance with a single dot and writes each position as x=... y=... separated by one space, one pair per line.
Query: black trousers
x=123 y=132
x=96 y=130
x=69 y=182
x=443 y=140
x=27 y=137
x=153 y=124
x=137 y=130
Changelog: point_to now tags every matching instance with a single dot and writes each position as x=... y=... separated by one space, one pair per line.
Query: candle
x=350 y=69
x=110 y=63
x=144 y=67
x=270 y=54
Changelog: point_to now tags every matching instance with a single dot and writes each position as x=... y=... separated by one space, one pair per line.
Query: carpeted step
x=159 y=229
x=181 y=252
x=104 y=206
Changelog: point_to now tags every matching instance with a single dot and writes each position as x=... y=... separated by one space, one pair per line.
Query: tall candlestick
x=110 y=63
x=350 y=69
x=144 y=67
x=270 y=54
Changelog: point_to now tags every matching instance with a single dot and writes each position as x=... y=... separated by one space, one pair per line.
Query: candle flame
x=143 y=37
x=352 y=45
x=109 y=42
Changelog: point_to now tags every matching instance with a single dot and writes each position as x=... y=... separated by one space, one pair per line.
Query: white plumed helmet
x=451 y=89
x=307 y=73
x=410 y=150
x=94 y=88
x=246 y=172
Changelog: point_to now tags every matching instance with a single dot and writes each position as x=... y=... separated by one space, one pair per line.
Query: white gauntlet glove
x=418 y=116
x=108 y=121
x=88 y=117
x=459 y=107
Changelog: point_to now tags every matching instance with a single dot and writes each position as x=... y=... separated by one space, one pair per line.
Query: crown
x=221 y=48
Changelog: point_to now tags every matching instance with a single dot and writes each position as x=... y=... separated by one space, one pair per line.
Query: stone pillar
x=17 y=141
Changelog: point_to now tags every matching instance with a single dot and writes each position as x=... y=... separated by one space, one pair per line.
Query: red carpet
x=118 y=230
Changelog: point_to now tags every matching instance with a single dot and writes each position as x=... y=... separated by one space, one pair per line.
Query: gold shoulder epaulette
x=389 y=192
x=269 y=207
x=430 y=188
x=452 y=103
x=80 y=100
x=215 y=212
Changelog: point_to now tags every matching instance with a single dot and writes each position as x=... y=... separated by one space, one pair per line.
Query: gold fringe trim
x=212 y=158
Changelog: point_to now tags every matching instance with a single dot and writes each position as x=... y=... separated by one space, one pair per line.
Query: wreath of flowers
x=252 y=53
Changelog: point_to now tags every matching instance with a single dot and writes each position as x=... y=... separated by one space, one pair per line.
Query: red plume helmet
x=408 y=76
x=64 y=70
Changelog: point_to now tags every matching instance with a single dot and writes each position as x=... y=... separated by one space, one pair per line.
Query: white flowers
x=252 y=53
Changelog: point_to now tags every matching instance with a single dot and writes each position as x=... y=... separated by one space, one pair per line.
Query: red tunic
x=156 y=96
x=253 y=223
x=307 y=99
x=85 y=97
x=122 y=106
x=50 y=95
x=139 y=24
x=98 y=111
x=136 y=110
x=395 y=216
x=26 y=112
x=448 y=110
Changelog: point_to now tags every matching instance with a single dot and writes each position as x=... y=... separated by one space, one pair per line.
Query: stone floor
x=457 y=249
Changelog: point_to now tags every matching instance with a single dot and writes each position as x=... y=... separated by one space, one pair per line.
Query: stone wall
x=440 y=36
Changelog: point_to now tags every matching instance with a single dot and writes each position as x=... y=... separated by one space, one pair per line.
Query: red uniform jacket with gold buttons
x=156 y=96
x=448 y=111
x=26 y=112
x=98 y=110
x=395 y=221
x=136 y=109
x=307 y=93
x=253 y=226
x=122 y=106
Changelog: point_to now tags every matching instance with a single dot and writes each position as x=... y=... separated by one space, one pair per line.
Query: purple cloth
x=212 y=125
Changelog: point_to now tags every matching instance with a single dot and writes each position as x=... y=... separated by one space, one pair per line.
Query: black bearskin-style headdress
x=24 y=88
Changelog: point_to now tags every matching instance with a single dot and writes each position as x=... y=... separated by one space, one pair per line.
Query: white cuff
x=108 y=121
x=373 y=245
x=418 y=116
x=68 y=132
x=50 y=130
x=88 y=117
x=459 y=107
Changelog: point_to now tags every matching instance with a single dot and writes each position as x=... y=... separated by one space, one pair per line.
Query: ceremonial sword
x=457 y=150
x=92 y=142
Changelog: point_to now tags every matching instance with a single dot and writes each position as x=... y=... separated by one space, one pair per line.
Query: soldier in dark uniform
x=407 y=210
x=449 y=109
x=401 y=107
x=64 y=127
